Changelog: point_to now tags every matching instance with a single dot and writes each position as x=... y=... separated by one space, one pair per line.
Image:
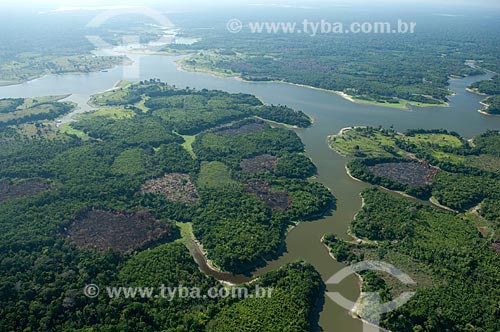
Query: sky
x=186 y=4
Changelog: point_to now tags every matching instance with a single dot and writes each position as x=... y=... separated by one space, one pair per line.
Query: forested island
x=451 y=248
x=103 y=200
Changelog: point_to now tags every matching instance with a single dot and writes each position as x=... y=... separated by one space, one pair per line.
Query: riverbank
x=476 y=91
x=201 y=257
x=331 y=112
x=432 y=200
x=355 y=312
x=67 y=65
x=484 y=109
x=402 y=104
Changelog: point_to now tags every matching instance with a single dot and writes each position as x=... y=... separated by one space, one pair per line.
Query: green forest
x=17 y=111
x=454 y=265
x=427 y=164
x=490 y=88
x=376 y=68
x=450 y=250
x=60 y=189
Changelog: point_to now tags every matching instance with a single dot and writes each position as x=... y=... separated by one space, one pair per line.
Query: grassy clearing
x=30 y=102
x=401 y=104
x=188 y=144
x=207 y=63
x=68 y=130
x=364 y=142
x=29 y=106
x=448 y=157
x=129 y=162
x=116 y=96
x=215 y=175
x=441 y=140
x=46 y=130
x=140 y=105
x=187 y=235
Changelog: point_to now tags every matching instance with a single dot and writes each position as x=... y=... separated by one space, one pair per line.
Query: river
x=331 y=113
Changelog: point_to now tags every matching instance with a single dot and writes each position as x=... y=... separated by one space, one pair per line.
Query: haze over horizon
x=178 y=5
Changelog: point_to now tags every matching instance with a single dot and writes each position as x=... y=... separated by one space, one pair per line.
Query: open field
x=400 y=104
x=215 y=175
x=447 y=157
x=440 y=140
x=363 y=142
x=47 y=130
x=188 y=144
x=19 y=110
x=117 y=96
x=69 y=130
x=115 y=113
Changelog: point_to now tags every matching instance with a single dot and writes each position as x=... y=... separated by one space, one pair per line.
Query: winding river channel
x=331 y=113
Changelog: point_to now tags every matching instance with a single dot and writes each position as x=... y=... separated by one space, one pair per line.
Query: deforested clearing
x=120 y=232
x=411 y=173
x=175 y=187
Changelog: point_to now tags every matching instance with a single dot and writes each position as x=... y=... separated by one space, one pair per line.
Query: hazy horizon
x=196 y=4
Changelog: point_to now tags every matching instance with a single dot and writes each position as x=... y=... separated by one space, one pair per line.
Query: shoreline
x=340 y=134
x=354 y=312
x=475 y=91
x=342 y=94
x=126 y=62
x=483 y=110
x=348 y=171
x=432 y=200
